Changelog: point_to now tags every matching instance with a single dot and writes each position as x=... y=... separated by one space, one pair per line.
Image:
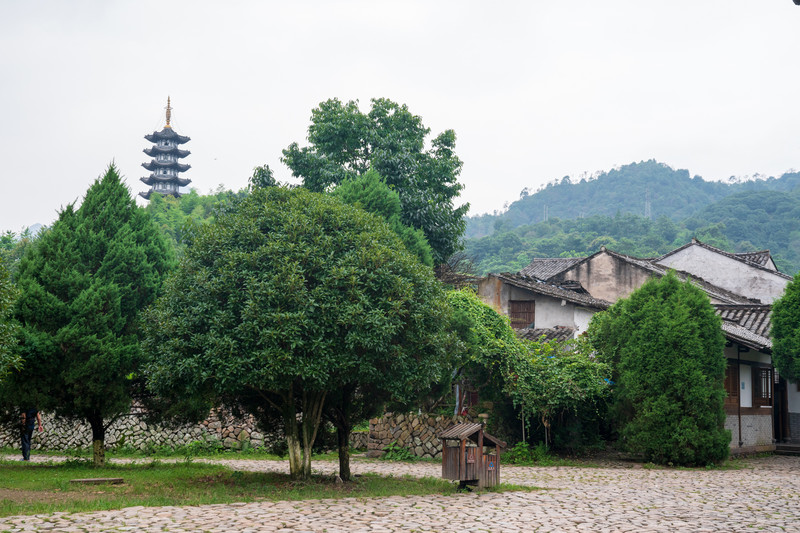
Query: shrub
x=666 y=344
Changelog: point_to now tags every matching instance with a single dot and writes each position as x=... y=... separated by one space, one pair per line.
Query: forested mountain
x=738 y=216
x=672 y=193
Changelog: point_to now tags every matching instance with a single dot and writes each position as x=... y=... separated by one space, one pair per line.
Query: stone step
x=787 y=449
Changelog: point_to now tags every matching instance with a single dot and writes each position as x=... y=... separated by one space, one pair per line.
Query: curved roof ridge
x=741 y=258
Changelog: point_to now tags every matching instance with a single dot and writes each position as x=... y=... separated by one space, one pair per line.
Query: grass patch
x=45 y=487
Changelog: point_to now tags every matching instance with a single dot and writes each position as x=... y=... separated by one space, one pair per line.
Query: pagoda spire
x=164 y=167
x=169 y=113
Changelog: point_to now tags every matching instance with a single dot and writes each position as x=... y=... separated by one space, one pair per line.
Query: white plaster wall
x=793 y=397
x=549 y=311
x=745 y=386
x=582 y=318
x=727 y=273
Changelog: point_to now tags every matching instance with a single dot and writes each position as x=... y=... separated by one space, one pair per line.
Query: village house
x=554 y=298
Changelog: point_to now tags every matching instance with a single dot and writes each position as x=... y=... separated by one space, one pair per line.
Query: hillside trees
x=345 y=143
x=285 y=300
x=82 y=285
x=785 y=331
x=666 y=346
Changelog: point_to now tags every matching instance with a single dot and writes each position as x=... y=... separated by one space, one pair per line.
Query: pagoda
x=164 y=167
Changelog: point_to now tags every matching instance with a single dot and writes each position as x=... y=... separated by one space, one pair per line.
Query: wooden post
x=462 y=463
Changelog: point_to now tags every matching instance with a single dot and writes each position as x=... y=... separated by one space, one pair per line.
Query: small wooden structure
x=464 y=456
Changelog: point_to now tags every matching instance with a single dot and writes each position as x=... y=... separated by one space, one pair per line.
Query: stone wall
x=219 y=429
x=417 y=433
x=359 y=440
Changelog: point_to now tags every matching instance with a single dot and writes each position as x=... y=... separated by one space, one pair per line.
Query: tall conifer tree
x=82 y=286
x=667 y=346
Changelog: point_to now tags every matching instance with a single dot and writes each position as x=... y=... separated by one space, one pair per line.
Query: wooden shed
x=465 y=457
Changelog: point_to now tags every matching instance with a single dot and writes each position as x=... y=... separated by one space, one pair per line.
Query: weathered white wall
x=582 y=318
x=745 y=386
x=549 y=311
x=794 y=398
x=607 y=277
x=727 y=273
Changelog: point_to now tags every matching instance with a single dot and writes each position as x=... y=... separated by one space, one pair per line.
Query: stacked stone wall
x=417 y=433
x=220 y=429
x=359 y=440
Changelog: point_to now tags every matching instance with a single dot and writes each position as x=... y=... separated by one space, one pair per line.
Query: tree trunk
x=312 y=414
x=292 y=433
x=300 y=435
x=343 y=436
x=98 y=441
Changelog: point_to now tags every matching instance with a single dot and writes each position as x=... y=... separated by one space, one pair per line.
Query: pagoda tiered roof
x=157 y=150
x=155 y=178
x=155 y=165
x=167 y=134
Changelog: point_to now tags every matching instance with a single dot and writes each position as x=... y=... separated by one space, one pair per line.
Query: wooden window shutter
x=732 y=384
x=522 y=313
x=762 y=387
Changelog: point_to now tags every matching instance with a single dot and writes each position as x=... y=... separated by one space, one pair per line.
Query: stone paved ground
x=763 y=496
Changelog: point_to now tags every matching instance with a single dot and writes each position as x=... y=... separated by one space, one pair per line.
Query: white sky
x=535 y=89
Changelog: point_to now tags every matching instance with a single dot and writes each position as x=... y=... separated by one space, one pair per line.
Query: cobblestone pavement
x=762 y=496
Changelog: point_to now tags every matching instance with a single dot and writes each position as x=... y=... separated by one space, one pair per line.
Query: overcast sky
x=534 y=90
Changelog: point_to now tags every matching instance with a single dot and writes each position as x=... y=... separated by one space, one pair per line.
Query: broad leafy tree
x=82 y=286
x=287 y=300
x=786 y=331
x=345 y=142
x=370 y=192
x=666 y=345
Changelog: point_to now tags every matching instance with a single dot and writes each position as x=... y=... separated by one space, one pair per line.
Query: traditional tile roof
x=746 y=337
x=559 y=334
x=747 y=324
x=552 y=290
x=743 y=258
x=754 y=318
x=546 y=267
x=760 y=258
x=712 y=290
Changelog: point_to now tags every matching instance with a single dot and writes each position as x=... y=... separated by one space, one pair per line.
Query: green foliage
x=345 y=143
x=82 y=286
x=483 y=341
x=370 y=193
x=548 y=381
x=179 y=218
x=552 y=379
x=262 y=177
x=785 y=331
x=13 y=247
x=395 y=452
x=9 y=355
x=523 y=453
x=666 y=345
x=287 y=297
